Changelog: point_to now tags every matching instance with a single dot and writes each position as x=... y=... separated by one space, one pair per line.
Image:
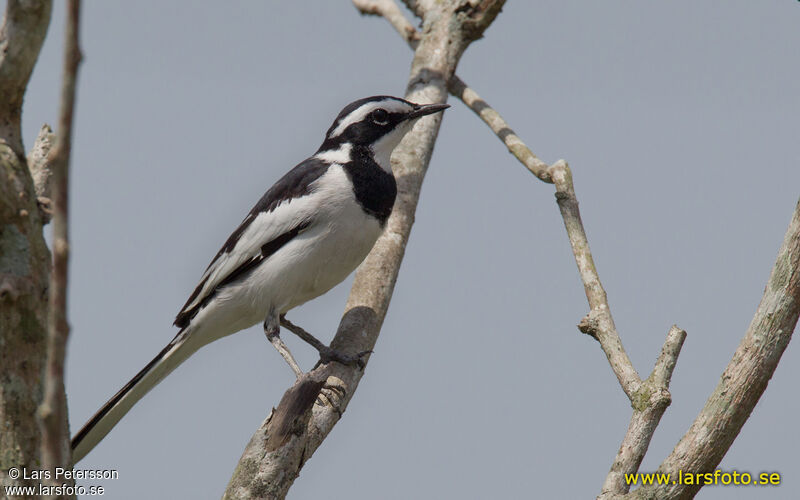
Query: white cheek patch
x=362 y=111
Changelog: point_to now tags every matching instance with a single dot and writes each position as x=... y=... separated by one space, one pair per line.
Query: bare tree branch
x=499 y=126
x=53 y=411
x=21 y=36
x=650 y=398
x=420 y=8
x=389 y=10
x=24 y=257
x=598 y=323
x=268 y=473
x=745 y=378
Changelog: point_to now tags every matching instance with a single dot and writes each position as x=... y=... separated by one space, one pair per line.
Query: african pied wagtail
x=304 y=236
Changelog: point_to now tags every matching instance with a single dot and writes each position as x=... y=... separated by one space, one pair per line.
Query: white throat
x=382 y=149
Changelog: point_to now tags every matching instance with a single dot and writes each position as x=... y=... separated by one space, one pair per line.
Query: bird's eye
x=380 y=116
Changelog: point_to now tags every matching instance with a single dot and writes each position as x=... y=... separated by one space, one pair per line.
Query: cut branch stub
x=41 y=167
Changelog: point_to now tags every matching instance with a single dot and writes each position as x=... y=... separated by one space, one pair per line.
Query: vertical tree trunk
x=24 y=257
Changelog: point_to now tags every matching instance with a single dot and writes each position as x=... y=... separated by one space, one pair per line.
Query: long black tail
x=175 y=353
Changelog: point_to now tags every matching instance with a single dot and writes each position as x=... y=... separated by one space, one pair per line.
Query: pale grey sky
x=679 y=120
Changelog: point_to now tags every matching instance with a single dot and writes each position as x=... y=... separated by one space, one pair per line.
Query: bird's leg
x=325 y=353
x=273 y=331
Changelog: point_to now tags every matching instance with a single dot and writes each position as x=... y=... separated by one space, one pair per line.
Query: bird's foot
x=326 y=354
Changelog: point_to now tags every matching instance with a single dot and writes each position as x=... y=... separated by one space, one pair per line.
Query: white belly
x=315 y=261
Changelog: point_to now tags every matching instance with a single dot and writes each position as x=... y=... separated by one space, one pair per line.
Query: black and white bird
x=304 y=236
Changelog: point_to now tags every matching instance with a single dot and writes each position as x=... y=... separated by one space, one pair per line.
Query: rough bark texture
x=24 y=258
x=448 y=28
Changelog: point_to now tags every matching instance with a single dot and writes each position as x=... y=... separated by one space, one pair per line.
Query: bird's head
x=378 y=123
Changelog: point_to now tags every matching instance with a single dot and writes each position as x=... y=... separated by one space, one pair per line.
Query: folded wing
x=278 y=217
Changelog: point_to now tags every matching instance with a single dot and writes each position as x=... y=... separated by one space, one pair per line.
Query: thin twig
x=55 y=434
x=649 y=401
x=500 y=127
x=390 y=11
x=599 y=323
